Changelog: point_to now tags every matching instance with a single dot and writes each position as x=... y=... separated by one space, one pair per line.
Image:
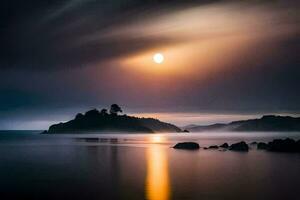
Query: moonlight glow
x=158 y=58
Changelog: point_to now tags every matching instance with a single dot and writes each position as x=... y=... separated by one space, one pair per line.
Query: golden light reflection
x=157 y=139
x=157 y=179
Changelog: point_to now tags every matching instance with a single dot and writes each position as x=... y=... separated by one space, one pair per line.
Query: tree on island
x=104 y=120
x=79 y=116
x=115 y=109
x=104 y=112
x=92 y=113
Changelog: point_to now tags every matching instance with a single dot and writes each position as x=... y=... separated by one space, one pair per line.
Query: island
x=101 y=121
x=265 y=123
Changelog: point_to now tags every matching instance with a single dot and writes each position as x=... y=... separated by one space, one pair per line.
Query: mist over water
x=81 y=65
x=143 y=166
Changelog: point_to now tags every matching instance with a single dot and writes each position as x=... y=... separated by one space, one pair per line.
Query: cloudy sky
x=230 y=58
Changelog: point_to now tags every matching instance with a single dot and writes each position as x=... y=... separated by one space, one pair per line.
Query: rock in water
x=187 y=145
x=262 y=145
x=225 y=145
x=240 y=146
x=286 y=145
x=213 y=147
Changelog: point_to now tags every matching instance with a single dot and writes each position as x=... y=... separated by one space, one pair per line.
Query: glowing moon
x=158 y=58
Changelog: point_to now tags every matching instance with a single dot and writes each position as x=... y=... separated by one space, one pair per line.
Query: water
x=143 y=166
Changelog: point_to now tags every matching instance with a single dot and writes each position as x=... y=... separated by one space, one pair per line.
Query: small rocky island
x=97 y=121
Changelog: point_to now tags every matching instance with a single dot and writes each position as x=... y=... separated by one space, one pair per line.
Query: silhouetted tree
x=103 y=112
x=92 y=113
x=115 y=109
x=79 y=116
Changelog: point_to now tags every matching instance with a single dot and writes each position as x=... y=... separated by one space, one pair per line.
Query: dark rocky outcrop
x=277 y=145
x=94 y=120
x=280 y=145
x=240 y=146
x=253 y=143
x=225 y=145
x=187 y=145
x=262 y=146
x=286 y=145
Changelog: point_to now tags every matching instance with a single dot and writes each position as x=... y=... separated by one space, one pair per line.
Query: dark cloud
x=48 y=34
x=51 y=34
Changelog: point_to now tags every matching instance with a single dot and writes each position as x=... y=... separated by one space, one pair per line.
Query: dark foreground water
x=34 y=166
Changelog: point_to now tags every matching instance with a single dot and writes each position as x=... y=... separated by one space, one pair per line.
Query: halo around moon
x=158 y=58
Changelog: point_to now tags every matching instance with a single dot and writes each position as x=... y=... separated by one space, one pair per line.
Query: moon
x=158 y=58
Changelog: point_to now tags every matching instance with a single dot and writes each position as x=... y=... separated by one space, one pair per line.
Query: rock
x=205 y=148
x=286 y=145
x=253 y=143
x=185 y=131
x=262 y=145
x=225 y=145
x=213 y=147
x=240 y=146
x=187 y=145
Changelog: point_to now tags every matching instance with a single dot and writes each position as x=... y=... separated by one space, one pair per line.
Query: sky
x=223 y=60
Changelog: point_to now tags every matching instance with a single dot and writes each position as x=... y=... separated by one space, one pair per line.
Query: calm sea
x=143 y=166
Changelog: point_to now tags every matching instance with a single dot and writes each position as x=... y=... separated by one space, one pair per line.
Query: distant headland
x=97 y=121
x=265 y=123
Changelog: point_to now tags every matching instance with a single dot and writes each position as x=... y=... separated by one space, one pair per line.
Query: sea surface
x=143 y=166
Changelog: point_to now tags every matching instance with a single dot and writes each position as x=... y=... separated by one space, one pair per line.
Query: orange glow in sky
x=201 y=40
